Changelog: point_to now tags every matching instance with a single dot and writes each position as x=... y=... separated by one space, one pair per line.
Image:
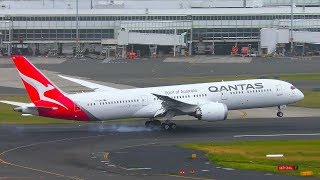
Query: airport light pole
x=1 y=43
x=291 y=28
x=190 y=19
x=10 y=36
x=77 y=24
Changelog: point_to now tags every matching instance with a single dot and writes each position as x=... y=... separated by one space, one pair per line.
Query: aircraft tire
x=173 y=126
x=156 y=123
x=147 y=123
x=165 y=126
x=280 y=114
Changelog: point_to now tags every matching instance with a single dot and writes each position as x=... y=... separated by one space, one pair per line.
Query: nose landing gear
x=280 y=113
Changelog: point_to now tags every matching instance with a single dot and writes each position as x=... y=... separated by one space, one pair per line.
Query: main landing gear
x=154 y=124
x=167 y=125
x=280 y=113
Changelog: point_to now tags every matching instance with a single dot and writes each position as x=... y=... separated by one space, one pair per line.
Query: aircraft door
x=144 y=100
x=77 y=108
x=224 y=95
x=279 y=90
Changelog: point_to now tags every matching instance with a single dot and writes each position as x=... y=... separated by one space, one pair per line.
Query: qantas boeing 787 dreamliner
x=206 y=101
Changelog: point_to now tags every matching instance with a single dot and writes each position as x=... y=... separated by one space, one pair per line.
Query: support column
x=10 y=39
x=60 y=46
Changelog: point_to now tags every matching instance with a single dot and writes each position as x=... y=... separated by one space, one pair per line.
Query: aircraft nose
x=300 y=95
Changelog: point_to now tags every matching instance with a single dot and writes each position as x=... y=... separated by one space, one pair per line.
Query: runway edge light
x=182 y=172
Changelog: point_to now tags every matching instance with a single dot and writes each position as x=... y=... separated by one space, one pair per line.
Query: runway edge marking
x=39 y=170
x=274 y=135
x=45 y=142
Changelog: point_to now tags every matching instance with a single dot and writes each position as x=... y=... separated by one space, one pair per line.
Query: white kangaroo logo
x=41 y=89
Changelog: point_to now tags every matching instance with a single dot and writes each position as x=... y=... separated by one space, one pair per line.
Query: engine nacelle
x=212 y=112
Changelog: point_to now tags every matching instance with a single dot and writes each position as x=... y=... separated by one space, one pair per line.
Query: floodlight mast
x=291 y=28
x=77 y=23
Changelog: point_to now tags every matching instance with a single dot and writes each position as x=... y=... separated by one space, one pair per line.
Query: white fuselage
x=141 y=103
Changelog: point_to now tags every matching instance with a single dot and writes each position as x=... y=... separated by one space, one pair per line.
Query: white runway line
x=274 y=135
x=134 y=169
x=228 y=169
x=205 y=170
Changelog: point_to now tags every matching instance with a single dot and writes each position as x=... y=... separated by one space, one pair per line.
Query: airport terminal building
x=211 y=27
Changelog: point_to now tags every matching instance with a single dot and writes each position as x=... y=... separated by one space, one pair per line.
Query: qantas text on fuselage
x=236 y=87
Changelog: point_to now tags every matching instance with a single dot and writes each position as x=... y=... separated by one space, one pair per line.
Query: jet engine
x=212 y=112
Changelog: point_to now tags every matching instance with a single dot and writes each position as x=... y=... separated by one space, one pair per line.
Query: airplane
x=205 y=101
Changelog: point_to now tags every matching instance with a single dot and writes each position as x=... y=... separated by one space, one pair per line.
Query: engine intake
x=212 y=112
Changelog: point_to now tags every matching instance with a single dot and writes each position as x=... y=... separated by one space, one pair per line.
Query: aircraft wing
x=94 y=86
x=15 y=103
x=172 y=102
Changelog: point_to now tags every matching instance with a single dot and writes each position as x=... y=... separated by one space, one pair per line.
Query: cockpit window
x=293 y=88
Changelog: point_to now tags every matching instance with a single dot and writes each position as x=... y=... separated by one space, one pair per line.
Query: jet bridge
x=153 y=40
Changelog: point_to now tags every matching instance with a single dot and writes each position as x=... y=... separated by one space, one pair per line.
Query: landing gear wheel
x=147 y=123
x=156 y=123
x=153 y=124
x=280 y=114
x=173 y=126
x=165 y=126
x=168 y=126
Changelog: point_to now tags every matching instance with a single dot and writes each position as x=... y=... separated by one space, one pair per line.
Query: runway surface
x=148 y=73
x=129 y=150
x=78 y=151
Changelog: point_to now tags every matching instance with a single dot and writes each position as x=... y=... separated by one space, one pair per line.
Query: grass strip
x=285 y=77
x=311 y=100
x=251 y=155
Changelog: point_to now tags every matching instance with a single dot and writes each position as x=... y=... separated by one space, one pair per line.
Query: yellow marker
x=306 y=173
x=244 y=114
x=106 y=156
x=193 y=156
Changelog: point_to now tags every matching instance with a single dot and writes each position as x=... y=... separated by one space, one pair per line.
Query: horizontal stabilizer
x=34 y=108
x=15 y=103
x=94 y=86
x=45 y=108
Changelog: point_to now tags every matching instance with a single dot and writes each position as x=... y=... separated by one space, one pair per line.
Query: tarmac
x=131 y=151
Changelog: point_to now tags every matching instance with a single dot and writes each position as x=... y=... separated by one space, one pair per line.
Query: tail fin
x=43 y=93
x=37 y=85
